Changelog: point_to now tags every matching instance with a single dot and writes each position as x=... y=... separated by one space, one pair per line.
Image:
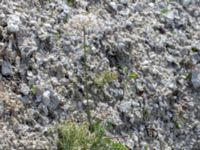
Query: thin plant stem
x=85 y=80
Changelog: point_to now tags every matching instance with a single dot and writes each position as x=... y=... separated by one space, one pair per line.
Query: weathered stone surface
x=6 y=68
x=196 y=77
x=13 y=23
x=152 y=46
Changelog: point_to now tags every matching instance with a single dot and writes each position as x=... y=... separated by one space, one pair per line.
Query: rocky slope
x=41 y=62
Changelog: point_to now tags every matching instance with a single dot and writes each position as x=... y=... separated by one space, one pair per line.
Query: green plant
x=178 y=121
x=105 y=77
x=73 y=136
x=194 y=49
x=70 y=2
x=145 y=114
x=33 y=89
x=146 y=147
x=127 y=77
x=164 y=11
x=57 y=36
x=91 y=135
x=110 y=126
x=133 y=75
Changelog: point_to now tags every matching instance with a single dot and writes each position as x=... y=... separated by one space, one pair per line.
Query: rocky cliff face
x=41 y=62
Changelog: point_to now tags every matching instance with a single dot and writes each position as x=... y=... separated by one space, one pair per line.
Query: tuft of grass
x=73 y=136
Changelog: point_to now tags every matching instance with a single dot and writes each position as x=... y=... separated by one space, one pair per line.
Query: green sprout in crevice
x=110 y=126
x=127 y=77
x=145 y=114
x=70 y=2
x=178 y=121
x=57 y=36
x=164 y=11
x=33 y=89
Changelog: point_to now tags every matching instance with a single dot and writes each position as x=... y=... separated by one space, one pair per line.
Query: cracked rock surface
x=42 y=70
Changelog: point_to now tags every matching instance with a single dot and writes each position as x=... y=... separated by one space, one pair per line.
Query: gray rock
x=186 y=2
x=43 y=109
x=139 y=86
x=195 y=58
x=125 y=106
x=129 y=25
x=54 y=102
x=124 y=1
x=24 y=89
x=13 y=23
x=113 y=5
x=46 y=98
x=6 y=68
x=50 y=100
x=1 y=109
x=2 y=19
x=196 y=77
x=159 y=40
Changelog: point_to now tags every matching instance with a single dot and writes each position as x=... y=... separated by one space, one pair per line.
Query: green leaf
x=98 y=129
x=164 y=11
x=133 y=75
x=33 y=89
x=146 y=147
x=118 y=146
x=194 y=49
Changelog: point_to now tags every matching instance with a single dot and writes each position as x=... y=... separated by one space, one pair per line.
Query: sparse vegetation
x=105 y=77
x=74 y=136
x=127 y=77
x=178 y=121
x=91 y=135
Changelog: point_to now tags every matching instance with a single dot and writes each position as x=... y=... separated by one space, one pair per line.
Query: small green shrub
x=105 y=77
x=73 y=136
